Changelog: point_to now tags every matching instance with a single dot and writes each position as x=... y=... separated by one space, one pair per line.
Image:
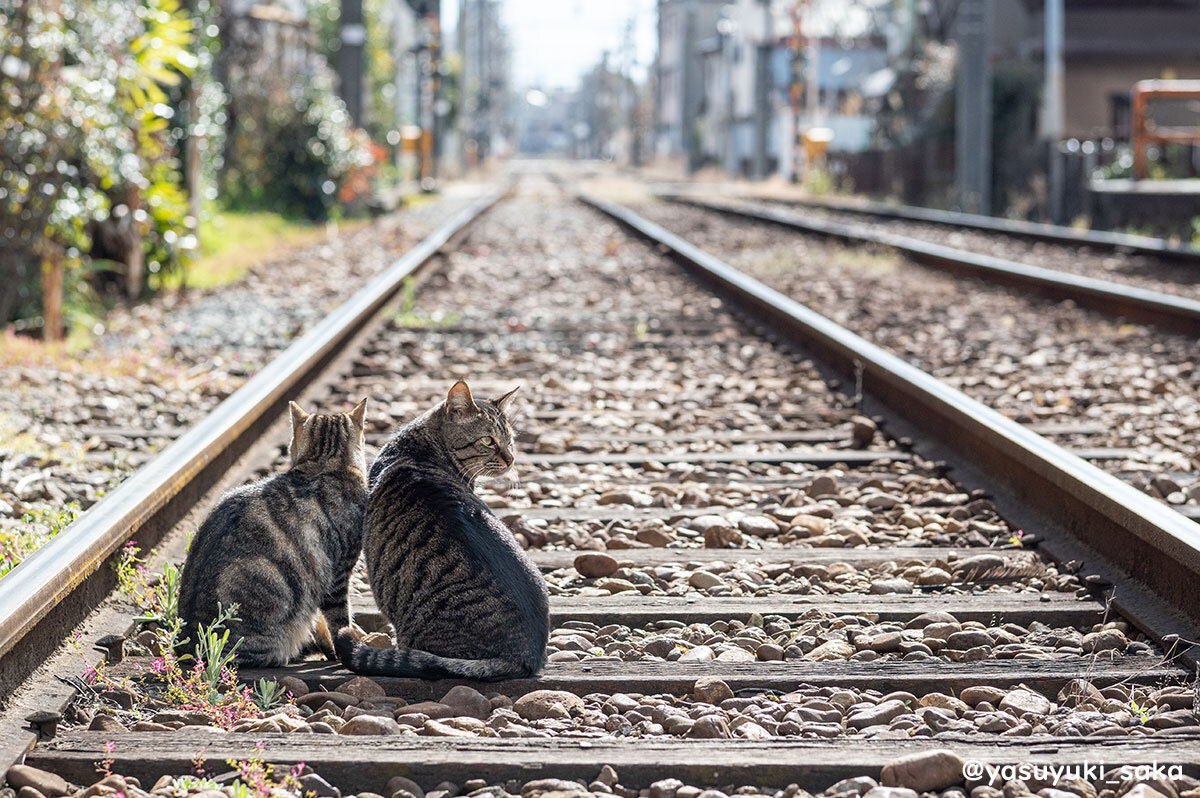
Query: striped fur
x=282 y=549
x=463 y=599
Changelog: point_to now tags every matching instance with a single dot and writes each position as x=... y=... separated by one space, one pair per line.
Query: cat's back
x=287 y=516
x=416 y=517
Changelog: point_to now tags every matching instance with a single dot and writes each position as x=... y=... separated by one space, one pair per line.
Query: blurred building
x=1108 y=46
x=484 y=120
x=731 y=113
x=545 y=123
x=679 y=89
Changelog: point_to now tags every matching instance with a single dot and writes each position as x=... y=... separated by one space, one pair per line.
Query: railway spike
x=113 y=646
x=44 y=723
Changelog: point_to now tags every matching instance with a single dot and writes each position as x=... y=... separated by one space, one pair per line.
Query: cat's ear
x=298 y=416
x=504 y=401
x=459 y=400
x=298 y=419
x=359 y=414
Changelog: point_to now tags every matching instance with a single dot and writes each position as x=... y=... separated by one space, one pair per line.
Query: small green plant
x=1140 y=711
x=408 y=315
x=214 y=654
x=53 y=520
x=130 y=569
x=269 y=694
x=44 y=523
x=104 y=766
x=1016 y=538
x=258 y=779
x=255 y=778
x=164 y=607
x=157 y=597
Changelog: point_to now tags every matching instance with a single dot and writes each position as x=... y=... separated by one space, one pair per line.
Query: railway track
x=1013 y=229
x=1022 y=355
x=759 y=577
x=1132 y=302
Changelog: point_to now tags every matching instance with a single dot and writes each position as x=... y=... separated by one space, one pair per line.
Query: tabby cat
x=463 y=599
x=282 y=549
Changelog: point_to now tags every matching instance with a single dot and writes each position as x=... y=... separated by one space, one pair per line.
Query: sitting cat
x=461 y=595
x=282 y=549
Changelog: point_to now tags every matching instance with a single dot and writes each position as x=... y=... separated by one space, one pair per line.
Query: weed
x=408 y=315
x=131 y=571
x=44 y=523
x=257 y=779
x=1140 y=711
x=164 y=606
x=269 y=694
x=158 y=597
x=214 y=654
x=104 y=766
x=121 y=468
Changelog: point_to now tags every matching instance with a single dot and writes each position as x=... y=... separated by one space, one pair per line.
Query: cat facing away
x=282 y=548
x=463 y=599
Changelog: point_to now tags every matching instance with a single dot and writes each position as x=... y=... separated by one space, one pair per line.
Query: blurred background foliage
x=120 y=141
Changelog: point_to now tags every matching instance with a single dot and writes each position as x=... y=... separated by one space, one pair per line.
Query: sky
x=555 y=41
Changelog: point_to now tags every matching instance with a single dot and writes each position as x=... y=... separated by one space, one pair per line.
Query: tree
x=86 y=140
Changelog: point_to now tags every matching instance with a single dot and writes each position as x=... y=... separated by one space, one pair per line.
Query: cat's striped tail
x=414 y=663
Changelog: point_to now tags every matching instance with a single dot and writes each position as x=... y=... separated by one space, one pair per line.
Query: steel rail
x=157 y=495
x=1146 y=539
x=1168 y=311
x=1038 y=231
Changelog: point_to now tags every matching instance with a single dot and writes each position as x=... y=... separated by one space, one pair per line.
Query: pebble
x=361 y=688
x=403 y=783
x=370 y=725
x=665 y=788
x=923 y=771
x=890 y=586
x=877 y=715
x=595 y=564
x=468 y=701
x=709 y=727
x=541 y=704
x=1026 y=702
x=711 y=690
x=50 y=785
x=437 y=728
x=704 y=579
x=982 y=693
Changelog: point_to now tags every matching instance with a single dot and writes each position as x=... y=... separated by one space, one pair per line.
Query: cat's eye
x=487 y=440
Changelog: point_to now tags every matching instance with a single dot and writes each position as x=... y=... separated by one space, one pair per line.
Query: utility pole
x=427 y=95
x=691 y=88
x=762 y=99
x=352 y=37
x=628 y=103
x=796 y=87
x=484 y=75
x=973 y=106
x=1052 y=111
x=435 y=91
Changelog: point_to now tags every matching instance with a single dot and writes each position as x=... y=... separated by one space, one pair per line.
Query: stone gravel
x=936 y=774
x=1144 y=271
x=1134 y=386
